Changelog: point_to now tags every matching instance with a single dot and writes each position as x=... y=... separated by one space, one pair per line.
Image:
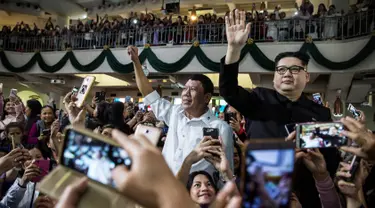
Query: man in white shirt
x=187 y=120
x=99 y=168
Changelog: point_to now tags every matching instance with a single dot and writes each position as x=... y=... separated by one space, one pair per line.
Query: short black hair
x=192 y=176
x=304 y=57
x=208 y=86
x=14 y=125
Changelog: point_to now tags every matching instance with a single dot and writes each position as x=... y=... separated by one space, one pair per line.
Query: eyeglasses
x=292 y=69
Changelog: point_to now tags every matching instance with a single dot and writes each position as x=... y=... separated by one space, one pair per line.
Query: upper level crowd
x=186 y=155
x=320 y=22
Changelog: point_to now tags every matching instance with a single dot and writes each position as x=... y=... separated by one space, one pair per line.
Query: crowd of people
x=186 y=167
x=322 y=23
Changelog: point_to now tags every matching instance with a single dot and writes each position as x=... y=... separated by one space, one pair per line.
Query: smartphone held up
x=84 y=90
x=356 y=114
x=267 y=171
x=85 y=153
x=320 y=135
x=211 y=132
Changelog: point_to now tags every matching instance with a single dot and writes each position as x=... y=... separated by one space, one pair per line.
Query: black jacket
x=269 y=112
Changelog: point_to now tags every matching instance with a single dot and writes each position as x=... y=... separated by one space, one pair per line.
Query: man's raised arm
x=237 y=34
x=140 y=78
x=161 y=107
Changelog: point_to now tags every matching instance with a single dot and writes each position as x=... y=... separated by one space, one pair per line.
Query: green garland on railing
x=195 y=51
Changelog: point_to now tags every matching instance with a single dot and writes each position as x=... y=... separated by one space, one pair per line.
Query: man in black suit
x=271 y=109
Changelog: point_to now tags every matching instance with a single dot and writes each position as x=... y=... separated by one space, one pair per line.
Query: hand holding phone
x=1 y=88
x=230 y=116
x=44 y=167
x=31 y=171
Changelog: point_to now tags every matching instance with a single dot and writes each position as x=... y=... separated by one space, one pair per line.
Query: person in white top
x=187 y=120
x=99 y=168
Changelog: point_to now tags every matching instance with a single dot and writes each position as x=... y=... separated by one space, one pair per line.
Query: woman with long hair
x=116 y=117
x=32 y=111
x=42 y=128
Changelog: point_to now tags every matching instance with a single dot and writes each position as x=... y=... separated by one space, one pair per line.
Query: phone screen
x=317 y=98
x=356 y=114
x=268 y=172
x=321 y=135
x=94 y=158
x=212 y=132
x=84 y=90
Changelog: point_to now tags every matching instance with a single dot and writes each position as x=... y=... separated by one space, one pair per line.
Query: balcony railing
x=336 y=27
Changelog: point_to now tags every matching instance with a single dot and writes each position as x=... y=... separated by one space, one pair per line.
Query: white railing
x=335 y=27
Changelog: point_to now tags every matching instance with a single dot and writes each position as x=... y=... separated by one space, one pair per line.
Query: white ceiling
x=55 y=7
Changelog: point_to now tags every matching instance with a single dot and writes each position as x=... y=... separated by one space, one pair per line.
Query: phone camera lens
x=127 y=162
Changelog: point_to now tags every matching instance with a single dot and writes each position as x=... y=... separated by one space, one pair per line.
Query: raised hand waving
x=236 y=30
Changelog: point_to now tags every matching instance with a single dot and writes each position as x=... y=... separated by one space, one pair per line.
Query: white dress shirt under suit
x=184 y=134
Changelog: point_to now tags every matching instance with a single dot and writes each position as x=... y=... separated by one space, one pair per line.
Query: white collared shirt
x=184 y=134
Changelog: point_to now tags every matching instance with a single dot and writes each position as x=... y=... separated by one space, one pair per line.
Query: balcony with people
x=326 y=23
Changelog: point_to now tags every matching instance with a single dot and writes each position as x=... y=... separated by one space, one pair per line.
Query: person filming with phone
x=270 y=110
x=186 y=121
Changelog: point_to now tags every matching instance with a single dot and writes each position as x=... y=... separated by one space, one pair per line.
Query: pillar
x=62 y=21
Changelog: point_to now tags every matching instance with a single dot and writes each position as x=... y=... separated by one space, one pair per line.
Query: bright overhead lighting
x=103 y=80
x=84 y=16
x=243 y=80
